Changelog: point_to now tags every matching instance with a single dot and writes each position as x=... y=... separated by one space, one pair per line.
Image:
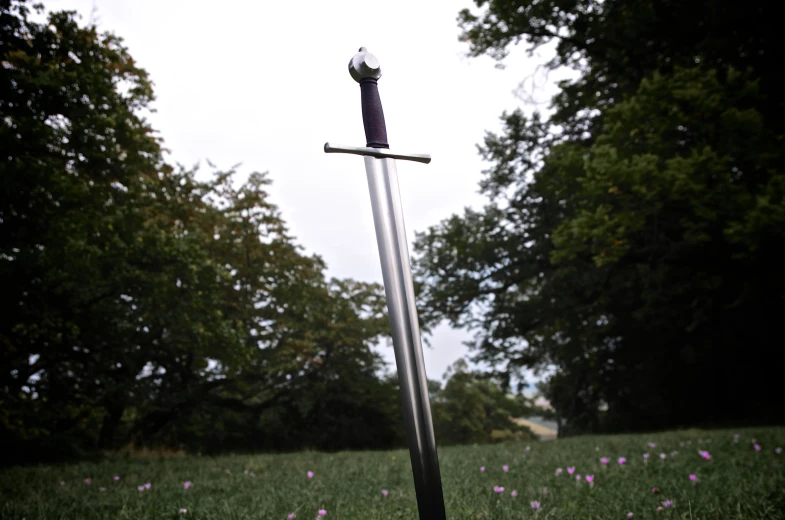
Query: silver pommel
x=364 y=65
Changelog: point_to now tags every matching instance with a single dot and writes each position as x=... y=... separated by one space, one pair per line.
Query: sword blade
x=399 y=291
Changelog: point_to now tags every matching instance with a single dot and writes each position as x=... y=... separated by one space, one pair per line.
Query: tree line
x=630 y=250
x=147 y=305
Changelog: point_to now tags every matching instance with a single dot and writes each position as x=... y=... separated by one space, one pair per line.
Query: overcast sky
x=266 y=84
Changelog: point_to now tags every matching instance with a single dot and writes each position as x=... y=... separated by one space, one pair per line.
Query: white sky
x=266 y=84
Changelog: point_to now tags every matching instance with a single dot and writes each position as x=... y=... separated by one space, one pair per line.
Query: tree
x=472 y=408
x=628 y=243
x=142 y=305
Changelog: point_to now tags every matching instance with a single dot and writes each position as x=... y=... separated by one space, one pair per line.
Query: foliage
x=143 y=305
x=738 y=483
x=472 y=408
x=628 y=246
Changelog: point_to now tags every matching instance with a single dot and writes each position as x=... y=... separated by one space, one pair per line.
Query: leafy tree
x=629 y=240
x=472 y=408
x=143 y=305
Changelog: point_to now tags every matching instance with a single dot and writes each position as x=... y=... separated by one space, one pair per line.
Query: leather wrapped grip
x=373 y=115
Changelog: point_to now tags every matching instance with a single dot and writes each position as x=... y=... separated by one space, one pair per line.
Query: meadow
x=693 y=474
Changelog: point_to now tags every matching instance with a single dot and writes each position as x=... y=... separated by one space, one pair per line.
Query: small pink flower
x=577 y=477
x=655 y=490
x=116 y=478
x=667 y=503
x=384 y=492
x=604 y=460
x=704 y=454
x=187 y=484
x=558 y=471
x=659 y=508
x=291 y=516
x=777 y=450
x=535 y=505
x=757 y=447
x=629 y=515
x=140 y=488
x=87 y=481
x=528 y=448
x=505 y=468
x=693 y=478
x=622 y=460
x=645 y=456
x=571 y=470
x=322 y=512
x=310 y=474
x=652 y=445
x=148 y=486
x=182 y=511
x=663 y=456
x=498 y=489
x=590 y=479
x=514 y=494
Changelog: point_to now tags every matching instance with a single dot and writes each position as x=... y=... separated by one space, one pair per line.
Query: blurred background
x=596 y=243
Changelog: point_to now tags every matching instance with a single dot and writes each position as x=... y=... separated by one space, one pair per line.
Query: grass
x=737 y=483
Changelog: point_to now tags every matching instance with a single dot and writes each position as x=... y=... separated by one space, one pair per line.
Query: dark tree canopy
x=144 y=306
x=630 y=242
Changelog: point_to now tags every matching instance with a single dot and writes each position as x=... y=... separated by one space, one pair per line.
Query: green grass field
x=737 y=482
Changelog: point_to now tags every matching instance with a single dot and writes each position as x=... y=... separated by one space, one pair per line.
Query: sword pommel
x=364 y=65
x=365 y=69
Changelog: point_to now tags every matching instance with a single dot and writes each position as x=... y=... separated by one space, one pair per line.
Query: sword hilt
x=365 y=69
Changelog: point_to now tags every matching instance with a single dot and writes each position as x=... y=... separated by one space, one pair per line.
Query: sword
x=398 y=285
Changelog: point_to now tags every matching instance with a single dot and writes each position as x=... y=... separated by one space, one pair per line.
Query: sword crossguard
x=379 y=153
